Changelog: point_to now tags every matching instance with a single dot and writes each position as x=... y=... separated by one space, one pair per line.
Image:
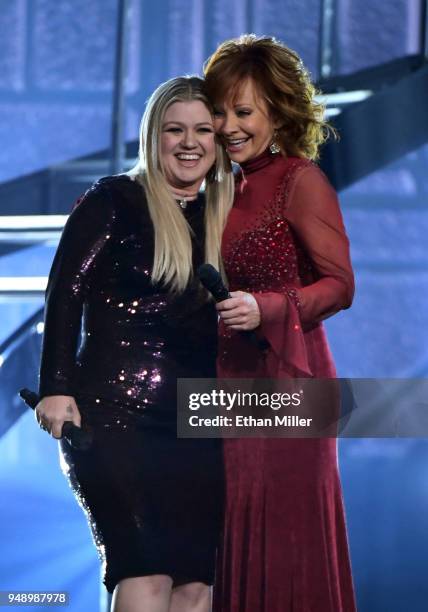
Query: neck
x=184 y=193
x=188 y=197
x=259 y=161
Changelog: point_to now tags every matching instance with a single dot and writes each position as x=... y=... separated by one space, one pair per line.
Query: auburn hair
x=281 y=80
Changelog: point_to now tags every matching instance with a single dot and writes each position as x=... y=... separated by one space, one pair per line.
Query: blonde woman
x=286 y=256
x=125 y=268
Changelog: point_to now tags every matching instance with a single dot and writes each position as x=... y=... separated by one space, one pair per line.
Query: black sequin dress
x=117 y=344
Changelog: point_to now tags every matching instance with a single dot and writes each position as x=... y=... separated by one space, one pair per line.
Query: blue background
x=56 y=67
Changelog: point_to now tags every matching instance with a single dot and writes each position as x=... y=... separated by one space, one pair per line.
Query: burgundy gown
x=285 y=545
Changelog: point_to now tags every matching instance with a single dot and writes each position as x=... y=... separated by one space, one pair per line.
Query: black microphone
x=79 y=438
x=212 y=281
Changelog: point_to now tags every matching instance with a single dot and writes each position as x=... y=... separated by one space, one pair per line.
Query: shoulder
x=311 y=177
x=312 y=191
x=305 y=183
x=285 y=171
x=291 y=167
x=118 y=186
x=112 y=194
x=302 y=174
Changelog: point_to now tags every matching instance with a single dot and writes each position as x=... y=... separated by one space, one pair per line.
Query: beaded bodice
x=260 y=250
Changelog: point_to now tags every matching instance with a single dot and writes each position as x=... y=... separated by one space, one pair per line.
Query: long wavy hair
x=173 y=245
x=281 y=80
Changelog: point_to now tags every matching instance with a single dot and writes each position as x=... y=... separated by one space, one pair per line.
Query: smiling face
x=244 y=123
x=187 y=145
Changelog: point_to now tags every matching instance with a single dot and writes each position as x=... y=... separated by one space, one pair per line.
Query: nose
x=226 y=124
x=189 y=139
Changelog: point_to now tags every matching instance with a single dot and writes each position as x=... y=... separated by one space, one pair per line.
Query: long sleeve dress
x=117 y=344
x=284 y=546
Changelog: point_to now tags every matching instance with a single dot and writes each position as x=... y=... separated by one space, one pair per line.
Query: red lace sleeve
x=314 y=214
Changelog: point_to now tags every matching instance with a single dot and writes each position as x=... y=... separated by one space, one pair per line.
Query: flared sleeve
x=83 y=242
x=313 y=214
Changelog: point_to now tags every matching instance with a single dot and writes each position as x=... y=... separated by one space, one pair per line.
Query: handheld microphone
x=78 y=438
x=212 y=281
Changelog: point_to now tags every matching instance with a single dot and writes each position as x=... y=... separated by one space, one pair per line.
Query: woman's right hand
x=52 y=412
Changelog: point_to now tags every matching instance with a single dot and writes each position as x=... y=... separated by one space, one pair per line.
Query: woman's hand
x=53 y=410
x=240 y=312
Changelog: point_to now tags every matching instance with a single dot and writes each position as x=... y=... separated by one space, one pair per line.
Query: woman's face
x=187 y=144
x=244 y=124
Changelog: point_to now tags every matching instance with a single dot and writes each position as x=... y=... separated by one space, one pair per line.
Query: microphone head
x=207 y=274
x=29 y=397
x=212 y=281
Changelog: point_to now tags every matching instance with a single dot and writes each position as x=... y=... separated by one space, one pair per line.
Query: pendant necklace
x=183 y=201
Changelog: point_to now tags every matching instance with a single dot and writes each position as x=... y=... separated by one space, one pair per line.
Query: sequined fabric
x=153 y=501
x=136 y=339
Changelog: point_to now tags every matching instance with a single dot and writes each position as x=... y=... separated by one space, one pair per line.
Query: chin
x=192 y=179
x=184 y=181
x=192 y=175
x=240 y=157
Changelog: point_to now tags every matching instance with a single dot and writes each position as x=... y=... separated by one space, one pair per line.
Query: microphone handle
x=221 y=295
x=212 y=281
x=79 y=438
x=251 y=335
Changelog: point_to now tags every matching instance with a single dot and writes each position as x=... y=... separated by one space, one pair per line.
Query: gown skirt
x=284 y=510
x=153 y=501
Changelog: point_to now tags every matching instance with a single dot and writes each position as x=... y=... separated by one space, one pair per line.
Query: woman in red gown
x=286 y=256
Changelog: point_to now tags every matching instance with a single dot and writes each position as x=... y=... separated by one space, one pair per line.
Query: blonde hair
x=173 y=245
x=281 y=79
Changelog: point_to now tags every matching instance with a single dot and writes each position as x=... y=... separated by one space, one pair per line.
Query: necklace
x=183 y=201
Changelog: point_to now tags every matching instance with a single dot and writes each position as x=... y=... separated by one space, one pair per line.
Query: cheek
x=212 y=149
x=209 y=146
x=166 y=145
x=166 y=156
x=267 y=129
x=162 y=151
x=218 y=124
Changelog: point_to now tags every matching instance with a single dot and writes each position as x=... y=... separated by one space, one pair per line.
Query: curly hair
x=281 y=79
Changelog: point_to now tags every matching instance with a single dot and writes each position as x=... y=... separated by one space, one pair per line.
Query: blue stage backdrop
x=56 y=59
x=56 y=66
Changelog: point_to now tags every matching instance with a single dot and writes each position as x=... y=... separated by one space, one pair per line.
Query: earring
x=274 y=146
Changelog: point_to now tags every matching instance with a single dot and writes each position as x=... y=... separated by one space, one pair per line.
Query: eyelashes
x=202 y=130
x=238 y=113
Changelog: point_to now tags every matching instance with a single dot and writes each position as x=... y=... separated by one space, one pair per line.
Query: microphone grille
x=208 y=275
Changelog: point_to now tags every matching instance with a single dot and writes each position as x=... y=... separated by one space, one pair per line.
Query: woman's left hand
x=240 y=312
